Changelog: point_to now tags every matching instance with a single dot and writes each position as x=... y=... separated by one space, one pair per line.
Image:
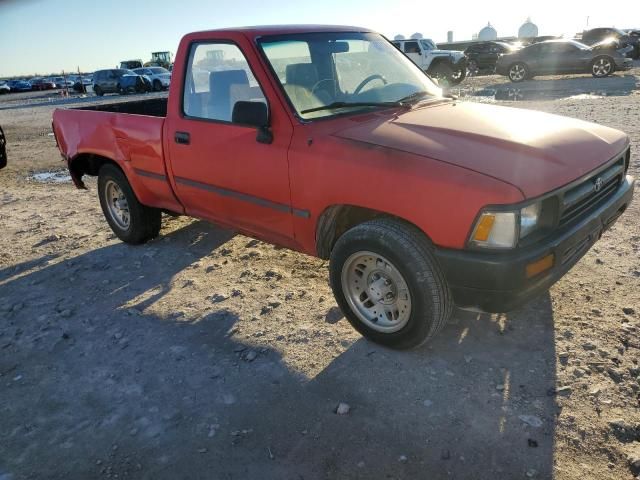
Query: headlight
x=529 y=219
x=503 y=229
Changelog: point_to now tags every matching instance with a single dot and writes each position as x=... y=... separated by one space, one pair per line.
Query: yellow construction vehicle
x=159 y=59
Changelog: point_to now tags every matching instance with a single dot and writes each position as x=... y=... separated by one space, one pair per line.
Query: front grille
x=590 y=194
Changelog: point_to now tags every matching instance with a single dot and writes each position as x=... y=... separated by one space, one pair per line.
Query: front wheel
x=131 y=221
x=388 y=283
x=518 y=72
x=602 y=66
x=157 y=85
x=458 y=74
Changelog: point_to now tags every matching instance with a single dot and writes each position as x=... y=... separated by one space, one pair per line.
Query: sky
x=49 y=36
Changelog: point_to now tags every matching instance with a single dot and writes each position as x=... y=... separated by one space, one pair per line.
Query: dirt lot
x=205 y=354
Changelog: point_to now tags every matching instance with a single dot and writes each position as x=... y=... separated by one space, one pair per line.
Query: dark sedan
x=482 y=56
x=599 y=35
x=561 y=57
x=42 y=84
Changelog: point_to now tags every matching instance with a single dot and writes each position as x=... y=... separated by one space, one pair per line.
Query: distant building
x=416 y=36
x=487 y=33
x=399 y=37
x=449 y=36
x=528 y=30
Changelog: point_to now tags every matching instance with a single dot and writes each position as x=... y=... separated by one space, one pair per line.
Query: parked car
x=419 y=201
x=449 y=66
x=119 y=80
x=599 y=35
x=4 y=88
x=131 y=64
x=19 y=85
x=61 y=82
x=3 y=150
x=42 y=84
x=160 y=77
x=482 y=57
x=561 y=57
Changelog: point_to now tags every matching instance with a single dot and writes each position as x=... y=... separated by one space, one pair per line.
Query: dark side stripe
x=155 y=176
x=244 y=197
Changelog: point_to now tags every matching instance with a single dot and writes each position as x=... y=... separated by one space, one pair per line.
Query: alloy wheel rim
x=602 y=67
x=117 y=205
x=376 y=291
x=517 y=72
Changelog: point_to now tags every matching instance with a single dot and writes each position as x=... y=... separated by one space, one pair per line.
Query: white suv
x=449 y=66
x=159 y=77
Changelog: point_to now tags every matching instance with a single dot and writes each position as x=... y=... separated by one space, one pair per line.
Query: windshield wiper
x=333 y=105
x=419 y=95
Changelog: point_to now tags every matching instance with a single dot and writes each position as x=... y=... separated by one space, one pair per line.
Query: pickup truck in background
x=329 y=141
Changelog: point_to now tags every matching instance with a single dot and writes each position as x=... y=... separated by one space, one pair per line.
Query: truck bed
x=152 y=107
x=129 y=133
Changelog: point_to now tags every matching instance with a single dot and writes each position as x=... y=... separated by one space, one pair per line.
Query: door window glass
x=411 y=47
x=218 y=76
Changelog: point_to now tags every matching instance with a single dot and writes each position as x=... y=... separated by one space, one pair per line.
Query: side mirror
x=253 y=114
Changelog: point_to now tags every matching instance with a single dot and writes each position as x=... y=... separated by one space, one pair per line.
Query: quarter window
x=218 y=76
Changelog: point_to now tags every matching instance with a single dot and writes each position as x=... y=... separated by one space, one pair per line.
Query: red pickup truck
x=327 y=140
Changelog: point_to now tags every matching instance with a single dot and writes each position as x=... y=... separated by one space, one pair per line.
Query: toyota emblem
x=598 y=184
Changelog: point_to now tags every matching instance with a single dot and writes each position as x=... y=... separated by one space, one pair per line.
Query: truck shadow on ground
x=92 y=386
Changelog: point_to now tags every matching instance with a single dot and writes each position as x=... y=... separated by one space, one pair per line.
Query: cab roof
x=262 y=30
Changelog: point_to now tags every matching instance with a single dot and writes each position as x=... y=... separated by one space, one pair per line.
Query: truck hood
x=535 y=152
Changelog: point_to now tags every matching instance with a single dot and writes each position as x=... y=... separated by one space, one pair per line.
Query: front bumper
x=497 y=282
x=624 y=64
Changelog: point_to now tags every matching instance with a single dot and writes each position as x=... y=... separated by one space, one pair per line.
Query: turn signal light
x=539 y=266
x=484 y=227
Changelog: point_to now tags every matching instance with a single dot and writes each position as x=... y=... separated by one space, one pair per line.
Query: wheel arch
x=335 y=220
x=88 y=163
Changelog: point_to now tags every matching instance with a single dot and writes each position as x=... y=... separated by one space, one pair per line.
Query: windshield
x=428 y=44
x=319 y=70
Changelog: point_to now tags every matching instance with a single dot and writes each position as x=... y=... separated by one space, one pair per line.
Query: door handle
x=182 y=138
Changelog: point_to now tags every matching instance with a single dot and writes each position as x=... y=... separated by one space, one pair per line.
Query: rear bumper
x=497 y=282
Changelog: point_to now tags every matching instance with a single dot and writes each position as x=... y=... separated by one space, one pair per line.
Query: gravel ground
x=206 y=354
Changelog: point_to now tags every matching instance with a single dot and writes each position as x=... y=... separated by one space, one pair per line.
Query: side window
x=411 y=47
x=218 y=76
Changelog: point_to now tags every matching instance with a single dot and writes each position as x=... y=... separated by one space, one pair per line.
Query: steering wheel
x=320 y=82
x=370 y=78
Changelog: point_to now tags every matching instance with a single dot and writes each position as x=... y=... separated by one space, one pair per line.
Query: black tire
x=602 y=66
x=120 y=90
x=144 y=222
x=442 y=72
x=458 y=75
x=519 y=72
x=410 y=252
x=98 y=91
x=157 y=86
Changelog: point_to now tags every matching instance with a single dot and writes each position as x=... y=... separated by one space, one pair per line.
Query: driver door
x=221 y=171
x=412 y=50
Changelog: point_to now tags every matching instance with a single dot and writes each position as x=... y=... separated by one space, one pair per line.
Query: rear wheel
x=157 y=85
x=602 y=66
x=131 y=221
x=98 y=91
x=388 y=283
x=518 y=72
